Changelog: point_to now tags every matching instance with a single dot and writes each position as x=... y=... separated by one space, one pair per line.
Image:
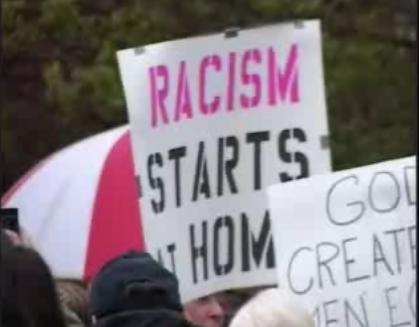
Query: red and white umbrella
x=80 y=205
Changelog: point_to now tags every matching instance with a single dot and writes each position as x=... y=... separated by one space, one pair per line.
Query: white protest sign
x=214 y=121
x=346 y=244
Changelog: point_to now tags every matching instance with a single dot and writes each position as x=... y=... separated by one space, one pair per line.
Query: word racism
x=249 y=79
x=227 y=161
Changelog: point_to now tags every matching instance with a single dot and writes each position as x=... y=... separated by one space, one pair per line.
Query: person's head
x=133 y=281
x=28 y=294
x=205 y=312
x=272 y=308
x=73 y=296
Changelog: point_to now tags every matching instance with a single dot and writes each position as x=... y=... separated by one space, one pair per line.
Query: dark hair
x=5 y=241
x=28 y=293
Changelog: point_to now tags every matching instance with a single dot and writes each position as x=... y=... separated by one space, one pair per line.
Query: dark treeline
x=61 y=82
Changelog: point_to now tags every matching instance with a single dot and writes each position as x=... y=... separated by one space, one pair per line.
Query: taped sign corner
x=231 y=32
x=139 y=51
x=299 y=24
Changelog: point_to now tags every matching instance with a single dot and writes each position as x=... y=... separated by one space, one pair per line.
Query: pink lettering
x=183 y=98
x=286 y=83
x=244 y=84
x=159 y=95
x=214 y=61
x=254 y=79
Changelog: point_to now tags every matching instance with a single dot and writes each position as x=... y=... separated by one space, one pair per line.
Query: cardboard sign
x=346 y=244
x=215 y=120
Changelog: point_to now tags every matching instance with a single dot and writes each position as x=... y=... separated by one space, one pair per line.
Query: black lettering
x=199 y=252
x=395 y=233
x=321 y=262
x=300 y=157
x=223 y=222
x=156 y=159
x=171 y=248
x=412 y=244
x=351 y=219
x=289 y=272
x=257 y=138
x=201 y=180
x=229 y=164
x=350 y=312
x=379 y=257
x=176 y=154
x=286 y=156
x=328 y=320
x=392 y=307
x=258 y=244
x=411 y=200
x=350 y=261
x=371 y=192
x=245 y=243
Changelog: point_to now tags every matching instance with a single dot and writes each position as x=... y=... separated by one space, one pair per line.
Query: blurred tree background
x=61 y=82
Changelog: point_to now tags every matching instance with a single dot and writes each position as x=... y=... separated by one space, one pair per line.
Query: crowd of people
x=132 y=290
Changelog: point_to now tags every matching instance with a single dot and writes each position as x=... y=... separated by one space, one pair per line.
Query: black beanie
x=133 y=281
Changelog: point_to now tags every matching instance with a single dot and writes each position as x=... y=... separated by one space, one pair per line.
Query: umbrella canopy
x=80 y=205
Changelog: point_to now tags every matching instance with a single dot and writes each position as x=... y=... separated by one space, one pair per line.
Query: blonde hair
x=272 y=308
x=73 y=295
